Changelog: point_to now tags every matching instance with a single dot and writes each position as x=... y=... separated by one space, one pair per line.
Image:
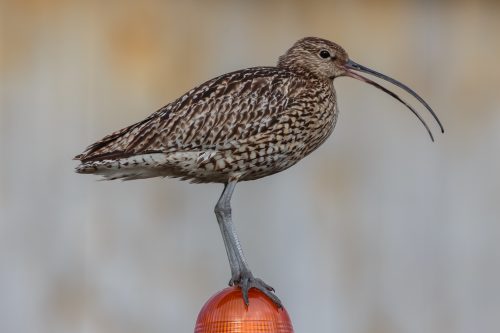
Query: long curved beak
x=351 y=65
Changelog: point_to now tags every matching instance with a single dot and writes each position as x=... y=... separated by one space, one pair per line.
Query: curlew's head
x=326 y=60
x=322 y=58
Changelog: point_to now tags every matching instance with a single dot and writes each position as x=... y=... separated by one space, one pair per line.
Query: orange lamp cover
x=226 y=312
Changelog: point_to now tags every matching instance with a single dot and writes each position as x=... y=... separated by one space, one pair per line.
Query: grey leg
x=240 y=273
x=223 y=213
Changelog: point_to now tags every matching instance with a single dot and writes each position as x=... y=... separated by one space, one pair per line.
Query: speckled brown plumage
x=247 y=124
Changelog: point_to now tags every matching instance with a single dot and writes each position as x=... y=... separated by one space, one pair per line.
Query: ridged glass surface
x=226 y=312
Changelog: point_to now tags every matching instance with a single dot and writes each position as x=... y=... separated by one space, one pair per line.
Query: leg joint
x=223 y=208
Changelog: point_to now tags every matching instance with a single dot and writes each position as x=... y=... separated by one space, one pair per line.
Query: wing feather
x=231 y=107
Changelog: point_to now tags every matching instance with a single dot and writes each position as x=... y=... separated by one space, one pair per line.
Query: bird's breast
x=315 y=123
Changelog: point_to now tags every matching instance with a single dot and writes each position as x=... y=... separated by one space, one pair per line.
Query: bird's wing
x=231 y=107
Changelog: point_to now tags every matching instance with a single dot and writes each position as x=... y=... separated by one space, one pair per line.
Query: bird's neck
x=299 y=69
x=293 y=64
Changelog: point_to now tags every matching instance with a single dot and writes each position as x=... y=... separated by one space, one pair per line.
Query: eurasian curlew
x=239 y=126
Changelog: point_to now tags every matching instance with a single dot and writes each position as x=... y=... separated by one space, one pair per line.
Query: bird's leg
x=240 y=273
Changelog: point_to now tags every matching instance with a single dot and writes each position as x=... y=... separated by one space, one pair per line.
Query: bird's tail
x=133 y=167
x=97 y=166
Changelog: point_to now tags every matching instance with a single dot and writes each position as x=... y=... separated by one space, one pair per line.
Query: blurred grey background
x=378 y=231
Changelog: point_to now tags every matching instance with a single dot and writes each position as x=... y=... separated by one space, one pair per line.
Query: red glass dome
x=226 y=312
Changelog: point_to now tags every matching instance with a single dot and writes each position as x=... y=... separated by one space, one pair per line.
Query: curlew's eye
x=324 y=54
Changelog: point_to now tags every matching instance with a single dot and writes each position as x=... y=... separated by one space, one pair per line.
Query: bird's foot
x=245 y=280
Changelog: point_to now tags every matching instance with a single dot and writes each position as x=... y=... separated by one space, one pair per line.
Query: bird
x=240 y=126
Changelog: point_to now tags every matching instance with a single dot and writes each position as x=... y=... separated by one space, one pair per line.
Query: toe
x=246 y=281
x=264 y=288
x=265 y=285
x=245 y=286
